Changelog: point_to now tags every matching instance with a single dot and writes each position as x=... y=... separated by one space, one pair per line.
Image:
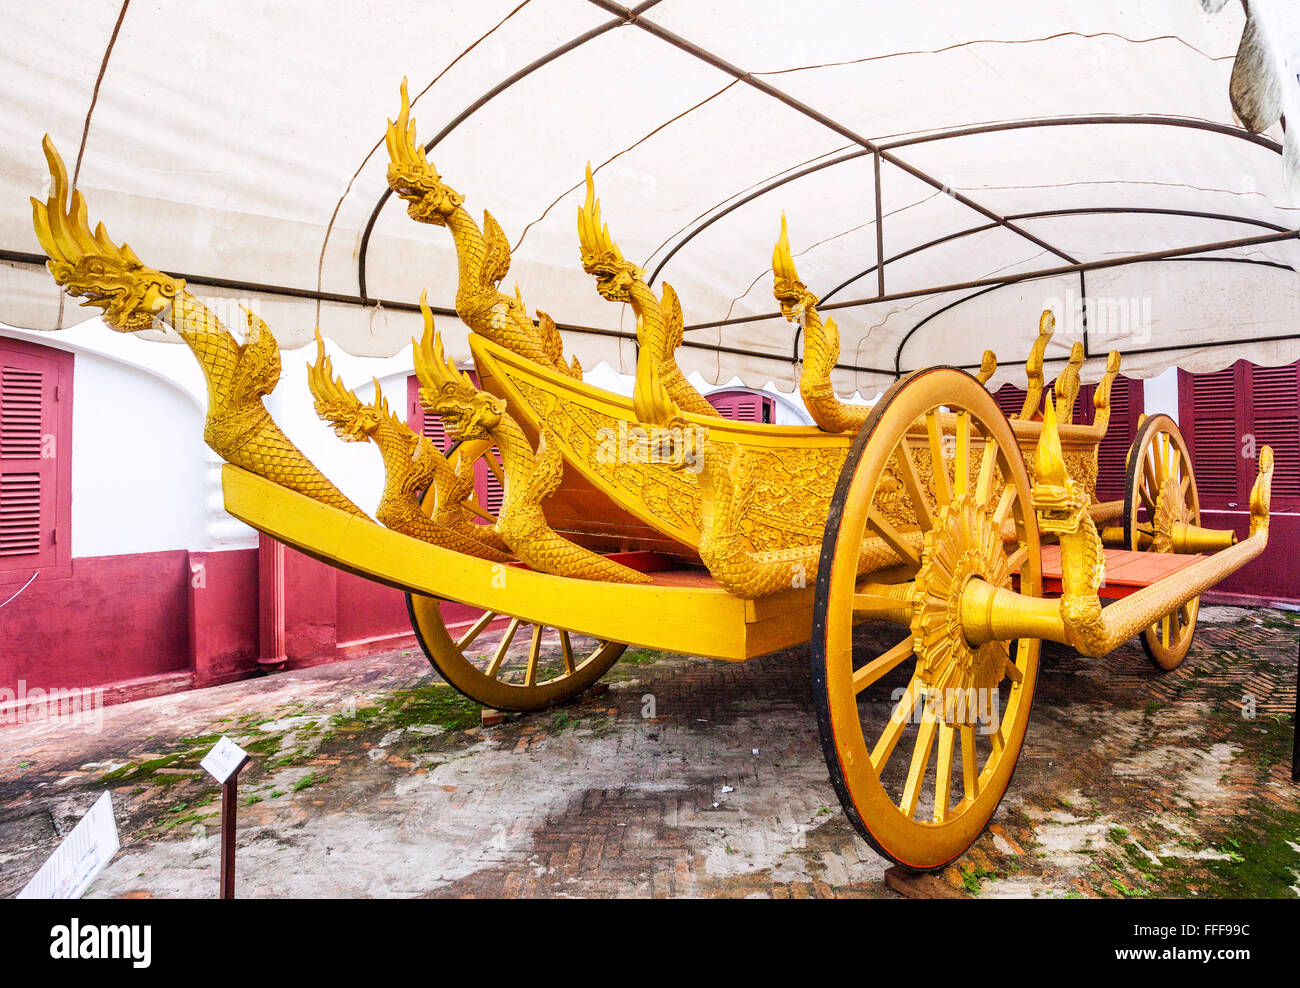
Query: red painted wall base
x=151 y=623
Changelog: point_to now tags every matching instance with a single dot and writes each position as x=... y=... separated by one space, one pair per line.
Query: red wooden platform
x=1126 y=570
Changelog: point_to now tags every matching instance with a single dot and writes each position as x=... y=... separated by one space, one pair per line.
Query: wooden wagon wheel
x=921 y=788
x=1159 y=492
x=499 y=660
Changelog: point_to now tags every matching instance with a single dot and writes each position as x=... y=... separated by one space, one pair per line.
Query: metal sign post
x=224 y=763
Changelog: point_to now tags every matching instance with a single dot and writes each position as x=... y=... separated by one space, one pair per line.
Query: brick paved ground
x=373 y=778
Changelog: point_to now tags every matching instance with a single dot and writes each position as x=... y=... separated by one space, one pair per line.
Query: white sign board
x=85 y=851
x=224 y=760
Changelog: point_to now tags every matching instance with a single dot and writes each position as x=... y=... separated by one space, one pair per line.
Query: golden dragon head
x=353 y=420
x=791 y=294
x=467 y=412
x=1061 y=503
x=92 y=267
x=600 y=254
x=412 y=177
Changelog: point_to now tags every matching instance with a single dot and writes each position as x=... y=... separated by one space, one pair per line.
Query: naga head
x=353 y=421
x=1060 y=502
x=412 y=177
x=791 y=294
x=467 y=412
x=600 y=254
x=90 y=266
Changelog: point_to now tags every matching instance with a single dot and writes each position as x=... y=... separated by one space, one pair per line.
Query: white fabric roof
x=238 y=143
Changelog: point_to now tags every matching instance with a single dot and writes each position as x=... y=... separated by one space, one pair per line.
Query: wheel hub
x=965 y=544
x=1171 y=510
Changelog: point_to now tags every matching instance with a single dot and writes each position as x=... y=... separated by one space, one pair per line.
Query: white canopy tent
x=970 y=145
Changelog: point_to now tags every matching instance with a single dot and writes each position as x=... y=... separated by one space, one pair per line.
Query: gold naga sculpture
x=482 y=255
x=134 y=297
x=659 y=322
x=975 y=535
x=413 y=466
x=470 y=414
x=821 y=344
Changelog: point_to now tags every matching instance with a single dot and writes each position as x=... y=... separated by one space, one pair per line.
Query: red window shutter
x=1010 y=399
x=487 y=489
x=1126 y=403
x=1275 y=393
x=743 y=406
x=33 y=435
x=422 y=422
x=1211 y=422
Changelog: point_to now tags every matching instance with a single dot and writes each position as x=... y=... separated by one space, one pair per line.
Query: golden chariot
x=653 y=521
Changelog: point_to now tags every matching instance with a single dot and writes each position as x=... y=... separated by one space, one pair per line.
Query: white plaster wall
x=1160 y=393
x=138 y=475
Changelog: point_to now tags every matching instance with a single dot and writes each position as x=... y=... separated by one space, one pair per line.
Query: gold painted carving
x=134 y=296
x=658 y=322
x=966 y=543
x=1062 y=508
x=821 y=344
x=412 y=465
x=1034 y=367
x=730 y=479
x=793 y=487
x=482 y=256
x=530 y=477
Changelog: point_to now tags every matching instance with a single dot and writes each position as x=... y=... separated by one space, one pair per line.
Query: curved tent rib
x=1013 y=122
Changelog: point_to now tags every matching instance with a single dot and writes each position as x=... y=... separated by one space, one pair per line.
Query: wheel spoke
x=1007 y=499
x=882 y=665
x=1166 y=628
x=475 y=630
x=495 y=466
x=1150 y=482
x=875 y=598
x=970 y=774
x=894 y=729
x=943 y=774
x=1012 y=670
x=503 y=647
x=939 y=471
x=920 y=762
x=999 y=743
x=567 y=648
x=1017 y=559
x=961 y=474
x=915 y=490
x=988 y=463
x=1185 y=484
x=895 y=539
x=534 y=653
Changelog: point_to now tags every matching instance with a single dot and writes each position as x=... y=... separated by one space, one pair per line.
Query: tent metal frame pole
x=898 y=352
x=1172 y=347
x=1054 y=213
x=708 y=57
x=1038 y=122
x=255 y=288
x=1016 y=277
x=626 y=16
x=880 y=229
